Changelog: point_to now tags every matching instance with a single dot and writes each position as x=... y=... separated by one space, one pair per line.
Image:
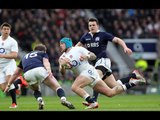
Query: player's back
x=33 y=59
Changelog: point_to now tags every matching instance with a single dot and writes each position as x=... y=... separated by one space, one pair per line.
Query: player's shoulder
x=79 y=48
x=85 y=34
x=12 y=39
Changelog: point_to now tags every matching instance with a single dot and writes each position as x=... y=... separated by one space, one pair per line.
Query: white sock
x=85 y=96
x=11 y=87
x=120 y=82
x=63 y=98
x=124 y=87
x=39 y=98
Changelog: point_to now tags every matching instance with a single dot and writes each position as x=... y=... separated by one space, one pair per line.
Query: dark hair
x=6 y=24
x=40 y=47
x=93 y=20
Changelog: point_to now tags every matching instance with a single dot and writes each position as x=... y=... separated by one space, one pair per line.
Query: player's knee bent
x=109 y=94
x=75 y=88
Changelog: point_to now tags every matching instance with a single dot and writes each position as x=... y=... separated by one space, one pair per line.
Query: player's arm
x=122 y=44
x=86 y=54
x=12 y=55
x=47 y=65
x=62 y=68
x=13 y=78
x=91 y=56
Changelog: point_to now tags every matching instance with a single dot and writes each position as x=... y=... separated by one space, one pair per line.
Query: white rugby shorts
x=36 y=75
x=7 y=70
x=92 y=74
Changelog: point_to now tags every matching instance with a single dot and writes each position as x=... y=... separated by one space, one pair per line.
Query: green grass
x=117 y=103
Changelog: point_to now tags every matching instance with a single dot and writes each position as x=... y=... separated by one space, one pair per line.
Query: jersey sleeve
x=45 y=55
x=84 y=51
x=109 y=36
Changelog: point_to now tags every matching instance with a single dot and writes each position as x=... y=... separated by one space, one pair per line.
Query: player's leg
x=112 y=82
x=37 y=94
x=34 y=83
x=12 y=93
x=78 y=87
x=51 y=82
x=103 y=66
x=102 y=87
x=17 y=83
x=8 y=71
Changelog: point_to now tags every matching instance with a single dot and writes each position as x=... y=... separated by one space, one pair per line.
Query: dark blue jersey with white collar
x=32 y=60
x=97 y=43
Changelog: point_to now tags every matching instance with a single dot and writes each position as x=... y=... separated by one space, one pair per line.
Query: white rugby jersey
x=74 y=56
x=7 y=46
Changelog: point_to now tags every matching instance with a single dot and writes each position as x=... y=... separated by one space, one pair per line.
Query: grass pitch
x=117 y=103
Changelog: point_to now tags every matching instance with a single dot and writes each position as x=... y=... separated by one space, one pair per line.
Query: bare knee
x=74 y=88
x=110 y=95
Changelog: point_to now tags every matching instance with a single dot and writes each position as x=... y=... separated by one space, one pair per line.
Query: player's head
x=40 y=47
x=68 y=43
x=93 y=25
x=5 y=29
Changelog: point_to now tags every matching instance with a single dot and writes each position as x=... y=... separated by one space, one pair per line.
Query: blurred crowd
x=130 y=23
x=48 y=26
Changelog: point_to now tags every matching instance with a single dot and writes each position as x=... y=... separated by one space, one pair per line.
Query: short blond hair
x=40 y=47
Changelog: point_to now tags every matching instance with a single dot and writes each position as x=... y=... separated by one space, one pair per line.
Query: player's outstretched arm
x=122 y=44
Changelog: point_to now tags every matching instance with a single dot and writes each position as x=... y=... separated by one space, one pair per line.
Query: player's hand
x=84 y=57
x=6 y=89
x=128 y=51
x=64 y=62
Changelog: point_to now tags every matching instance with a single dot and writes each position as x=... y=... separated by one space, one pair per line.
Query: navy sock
x=95 y=95
x=89 y=99
x=37 y=94
x=126 y=79
x=129 y=85
x=13 y=95
x=18 y=81
x=60 y=92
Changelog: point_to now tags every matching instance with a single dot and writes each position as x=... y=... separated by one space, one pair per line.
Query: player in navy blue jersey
x=96 y=41
x=36 y=68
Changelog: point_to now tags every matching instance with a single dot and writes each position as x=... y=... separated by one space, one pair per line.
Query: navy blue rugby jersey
x=97 y=43
x=32 y=60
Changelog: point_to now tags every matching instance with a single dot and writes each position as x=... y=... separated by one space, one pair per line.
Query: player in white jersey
x=76 y=59
x=8 y=54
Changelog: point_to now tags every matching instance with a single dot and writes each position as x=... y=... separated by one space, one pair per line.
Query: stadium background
x=140 y=28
